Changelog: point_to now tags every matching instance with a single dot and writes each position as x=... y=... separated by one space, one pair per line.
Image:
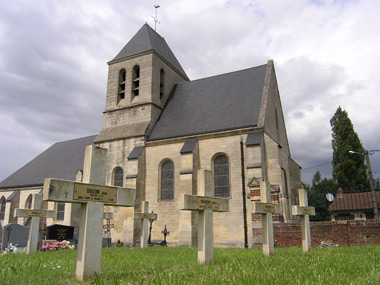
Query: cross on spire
x=155 y=17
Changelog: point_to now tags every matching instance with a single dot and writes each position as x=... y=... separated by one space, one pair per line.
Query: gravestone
x=205 y=205
x=92 y=195
x=59 y=232
x=16 y=235
x=304 y=211
x=266 y=209
x=36 y=213
x=145 y=217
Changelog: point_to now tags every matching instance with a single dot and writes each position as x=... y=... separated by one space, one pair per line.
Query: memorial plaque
x=269 y=208
x=308 y=211
x=145 y=216
x=94 y=193
x=35 y=213
x=208 y=203
x=303 y=210
x=59 y=232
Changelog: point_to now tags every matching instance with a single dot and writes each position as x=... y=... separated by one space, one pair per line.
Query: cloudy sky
x=54 y=54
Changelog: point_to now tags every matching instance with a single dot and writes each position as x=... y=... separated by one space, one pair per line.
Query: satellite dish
x=330 y=197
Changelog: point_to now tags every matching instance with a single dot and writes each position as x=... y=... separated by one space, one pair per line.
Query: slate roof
x=254 y=138
x=219 y=103
x=147 y=39
x=61 y=160
x=353 y=201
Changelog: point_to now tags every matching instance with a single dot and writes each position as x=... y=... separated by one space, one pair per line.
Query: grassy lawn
x=159 y=265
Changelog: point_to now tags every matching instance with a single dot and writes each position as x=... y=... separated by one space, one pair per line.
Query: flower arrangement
x=10 y=248
x=57 y=245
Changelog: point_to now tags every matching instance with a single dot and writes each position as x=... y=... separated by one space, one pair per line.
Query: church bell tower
x=140 y=79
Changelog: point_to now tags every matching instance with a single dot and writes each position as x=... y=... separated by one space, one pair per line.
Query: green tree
x=349 y=170
x=317 y=196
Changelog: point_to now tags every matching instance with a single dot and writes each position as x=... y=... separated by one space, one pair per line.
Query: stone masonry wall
x=343 y=233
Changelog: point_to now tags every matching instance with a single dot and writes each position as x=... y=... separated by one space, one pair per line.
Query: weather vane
x=155 y=18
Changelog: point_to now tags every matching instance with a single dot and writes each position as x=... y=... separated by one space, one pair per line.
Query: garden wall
x=342 y=233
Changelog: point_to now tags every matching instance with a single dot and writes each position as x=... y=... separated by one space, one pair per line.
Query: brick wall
x=343 y=233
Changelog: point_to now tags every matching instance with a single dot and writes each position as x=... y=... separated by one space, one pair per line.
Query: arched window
x=221 y=176
x=162 y=82
x=167 y=181
x=122 y=78
x=118 y=176
x=28 y=203
x=136 y=80
x=3 y=203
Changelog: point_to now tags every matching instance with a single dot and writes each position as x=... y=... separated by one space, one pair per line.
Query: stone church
x=159 y=128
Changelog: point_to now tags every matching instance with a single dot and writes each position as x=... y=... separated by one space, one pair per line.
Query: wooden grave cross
x=145 y=217
x=205 y=205
x=92 y=195
x=304 y=211
x=266 y=209
x=36 y=213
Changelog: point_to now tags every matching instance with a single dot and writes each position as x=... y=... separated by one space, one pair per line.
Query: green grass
x=159 y=265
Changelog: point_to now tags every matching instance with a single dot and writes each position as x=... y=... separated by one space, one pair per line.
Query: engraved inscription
x=35 y=213
x=94 y=193
x=61 y=234
x=306 y=211
x=208 y=203
x=145 y=216
x=269 y=208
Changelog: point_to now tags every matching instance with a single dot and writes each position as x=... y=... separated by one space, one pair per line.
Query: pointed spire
x=147 y=39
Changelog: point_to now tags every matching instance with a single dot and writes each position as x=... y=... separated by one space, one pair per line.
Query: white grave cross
x=92 y=195
x=266 y=209
x=304 y=211
x=145 y=216
x=108 y=216
x=205 y=205
x=36 y=214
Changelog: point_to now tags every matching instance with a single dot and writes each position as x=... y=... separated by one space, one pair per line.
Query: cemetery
x=106 y=263
x=170 y=192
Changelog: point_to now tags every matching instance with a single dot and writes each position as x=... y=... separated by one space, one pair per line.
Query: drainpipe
x=243 y=192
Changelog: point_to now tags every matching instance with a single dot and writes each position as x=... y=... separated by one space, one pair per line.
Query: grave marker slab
x=92 y=195
x=16 y=235
x=35 y=214
x=266 y=209
x=304 y=211
x=205 y=205
x=145 y=217
x=59 y=232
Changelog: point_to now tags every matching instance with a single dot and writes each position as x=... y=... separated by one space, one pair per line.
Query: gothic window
x=28 y=203
x=3 y=203
x=162 y=82
x=60 y=211
x=221 y=177
x=118 y=176
x=122 y=78
x=167 y=181
x=136 y=80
